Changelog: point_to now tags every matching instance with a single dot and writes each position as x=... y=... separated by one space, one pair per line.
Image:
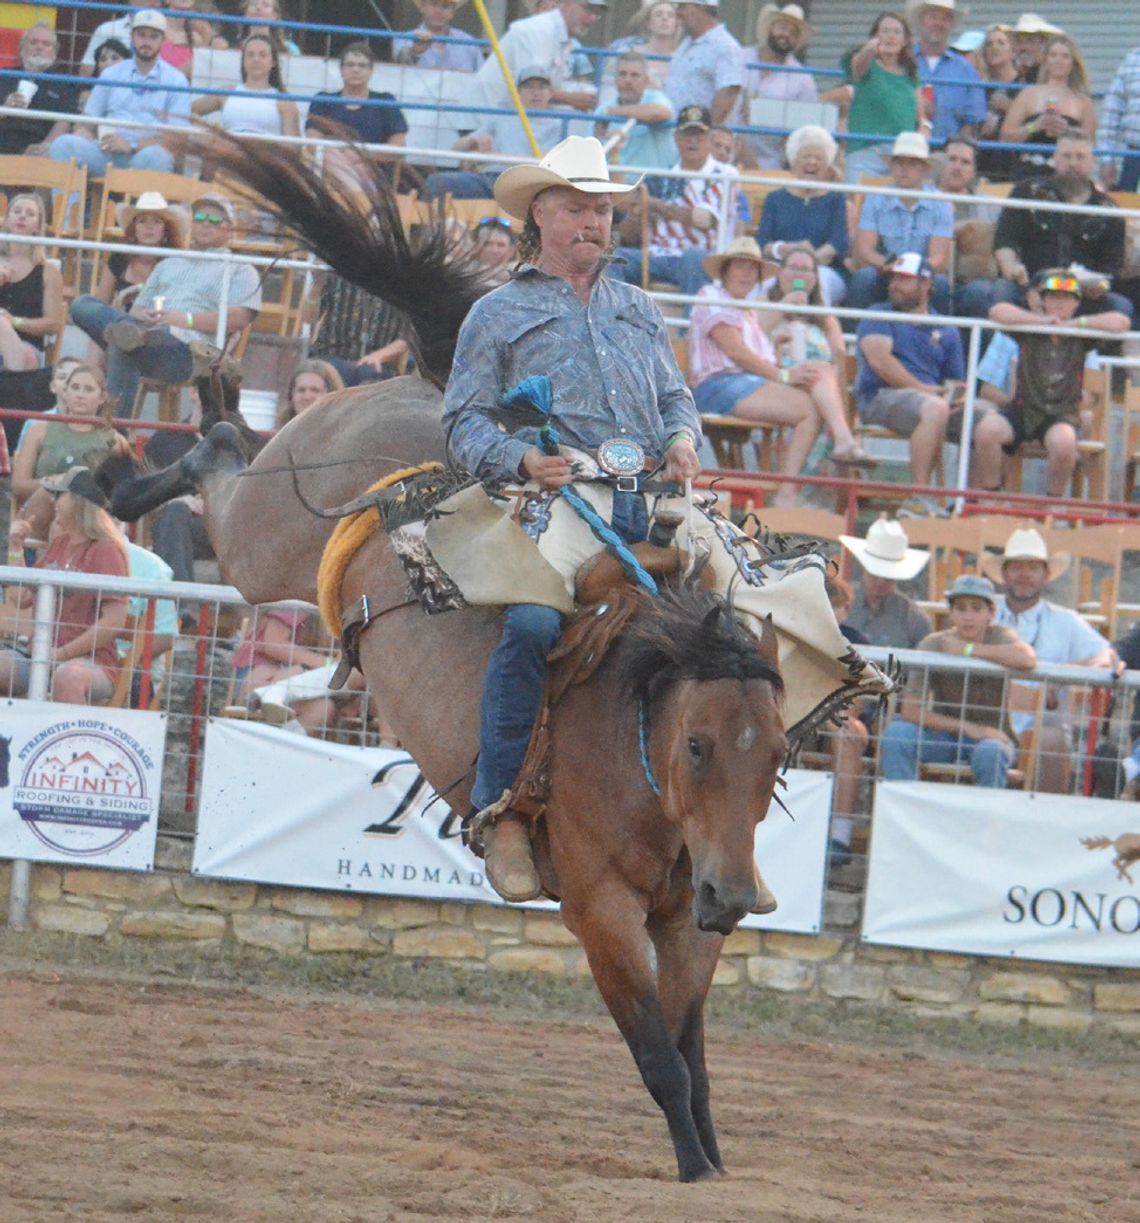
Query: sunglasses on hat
x=1060 y=284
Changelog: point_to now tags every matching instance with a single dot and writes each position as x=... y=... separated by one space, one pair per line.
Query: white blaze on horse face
x=746 y=739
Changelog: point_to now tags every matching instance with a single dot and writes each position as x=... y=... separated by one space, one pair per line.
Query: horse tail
x=1096 y=842
x=361 y=237
x=219 y=450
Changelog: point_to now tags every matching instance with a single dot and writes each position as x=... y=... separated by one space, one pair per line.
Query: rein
x=643 y=744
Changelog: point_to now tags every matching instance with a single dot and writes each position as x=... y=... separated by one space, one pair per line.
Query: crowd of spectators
x=673 y=94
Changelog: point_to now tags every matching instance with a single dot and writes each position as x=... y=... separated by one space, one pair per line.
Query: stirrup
x=476 y=824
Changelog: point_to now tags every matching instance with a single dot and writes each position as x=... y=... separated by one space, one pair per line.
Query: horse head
x=709 y=692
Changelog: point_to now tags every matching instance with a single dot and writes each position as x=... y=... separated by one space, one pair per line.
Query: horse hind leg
x=686 y=960
x=619 y=956
x=218 y=453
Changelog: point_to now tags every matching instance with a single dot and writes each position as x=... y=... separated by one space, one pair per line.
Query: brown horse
x=663 y=762
x=650 y=885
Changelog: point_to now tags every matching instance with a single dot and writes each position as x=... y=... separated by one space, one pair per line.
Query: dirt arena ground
x=145 y=1097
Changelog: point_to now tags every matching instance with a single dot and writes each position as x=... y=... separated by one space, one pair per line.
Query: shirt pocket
x=627 y=320
x=522 y=330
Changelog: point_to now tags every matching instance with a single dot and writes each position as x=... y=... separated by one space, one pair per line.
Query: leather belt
x=645 y=483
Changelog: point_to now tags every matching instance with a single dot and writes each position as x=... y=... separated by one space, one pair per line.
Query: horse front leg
x=611 y=928
x=686 y=960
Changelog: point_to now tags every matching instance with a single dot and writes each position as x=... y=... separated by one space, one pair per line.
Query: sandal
x=856 y=456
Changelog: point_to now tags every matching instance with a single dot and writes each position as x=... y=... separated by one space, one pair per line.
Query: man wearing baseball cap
x=707 y=69
x=686 y=226
x=910 y=375
x=500 y=134
x=141 y=89
x=945 y=717
x=169 y=333
x=1048 y=387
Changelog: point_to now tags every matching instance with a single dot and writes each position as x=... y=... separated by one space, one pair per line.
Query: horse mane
x=688 y=633
x=363 y=243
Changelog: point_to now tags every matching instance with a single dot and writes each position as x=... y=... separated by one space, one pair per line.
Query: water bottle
x=797 y=343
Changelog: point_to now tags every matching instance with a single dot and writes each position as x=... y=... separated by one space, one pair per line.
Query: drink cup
x=27 y=90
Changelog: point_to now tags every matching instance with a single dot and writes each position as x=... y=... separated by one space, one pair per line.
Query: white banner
x=1003 y=873
x=80 y=785
x=279 y=808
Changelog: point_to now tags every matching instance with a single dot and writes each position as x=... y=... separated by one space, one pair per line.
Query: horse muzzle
x=719 y=908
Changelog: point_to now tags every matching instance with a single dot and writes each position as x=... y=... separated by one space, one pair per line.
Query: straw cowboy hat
x=771 y=13
x=886 y=553
x=1031 y=23
x=154 y=201
x=738 y=248
x=1026 y=544
x=578 y=162
x=916 y=8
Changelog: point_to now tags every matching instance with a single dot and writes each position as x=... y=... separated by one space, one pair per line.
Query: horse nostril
x=706 y=897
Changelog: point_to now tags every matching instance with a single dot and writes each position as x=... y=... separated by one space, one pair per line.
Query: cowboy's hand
x=681 y=461
x=16 y=99
x=549 y=470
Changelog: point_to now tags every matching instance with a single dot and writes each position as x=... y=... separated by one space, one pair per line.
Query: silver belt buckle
x=622 y=457
x=628 y=484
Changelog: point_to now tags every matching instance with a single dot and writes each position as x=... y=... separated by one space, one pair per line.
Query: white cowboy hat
x=885 y=552
x=771 y=13
x=1026 y=544
x=1031 y=23
x=578 y=162
x=915 y=8
x=738 y=248
x=911 y=144
x=155 y=201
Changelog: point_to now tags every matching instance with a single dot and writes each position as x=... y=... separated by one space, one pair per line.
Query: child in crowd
x=1048 y=387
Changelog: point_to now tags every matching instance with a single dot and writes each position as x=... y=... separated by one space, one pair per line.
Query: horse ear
x=769 y=643
x=712 y=616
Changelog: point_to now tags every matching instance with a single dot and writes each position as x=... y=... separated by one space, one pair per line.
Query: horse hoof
x=707 y=1173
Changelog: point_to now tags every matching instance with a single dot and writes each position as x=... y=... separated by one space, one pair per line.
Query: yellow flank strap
x=346 y=540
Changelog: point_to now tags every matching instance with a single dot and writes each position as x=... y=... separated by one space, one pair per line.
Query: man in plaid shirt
x=686 y=215
x=1120 y=125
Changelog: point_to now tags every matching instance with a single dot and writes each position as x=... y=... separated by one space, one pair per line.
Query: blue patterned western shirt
x=610 y=365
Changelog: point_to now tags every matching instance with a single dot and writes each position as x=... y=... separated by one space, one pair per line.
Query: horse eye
x=695 y=749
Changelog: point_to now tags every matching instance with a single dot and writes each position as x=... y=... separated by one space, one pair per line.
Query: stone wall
x=829 y=970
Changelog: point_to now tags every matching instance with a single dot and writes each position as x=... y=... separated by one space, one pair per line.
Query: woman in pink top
x=733 y=366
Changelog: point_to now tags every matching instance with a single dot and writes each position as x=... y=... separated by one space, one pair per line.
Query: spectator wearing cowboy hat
x=1030 y=37
x=143 y=89
x=890 y=225
x=781 y=32
x=708 y=67
x=959 y=95
x=947 y=717
x=423 y=48
x=500 y=134
x=169 y=332
x=909 y=376
x=1057 y=634
x=883 y=615
x=1048 y=393
x=149 y=221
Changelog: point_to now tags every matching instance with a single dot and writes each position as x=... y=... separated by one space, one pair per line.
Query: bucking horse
x=666 y=733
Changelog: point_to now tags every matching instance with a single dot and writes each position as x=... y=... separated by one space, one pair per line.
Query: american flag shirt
x=674 y=237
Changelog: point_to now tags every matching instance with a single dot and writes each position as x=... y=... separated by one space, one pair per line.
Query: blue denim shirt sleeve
x=610 y=364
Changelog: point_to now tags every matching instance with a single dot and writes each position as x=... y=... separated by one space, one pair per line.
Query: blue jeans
x=87 y=153
x=906 y=745
x=165 y=359
x=461 y=184
x=512 y=687
x=685 y=270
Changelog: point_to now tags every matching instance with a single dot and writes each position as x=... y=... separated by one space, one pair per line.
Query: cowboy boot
x=508 y=859
x=766 y=901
